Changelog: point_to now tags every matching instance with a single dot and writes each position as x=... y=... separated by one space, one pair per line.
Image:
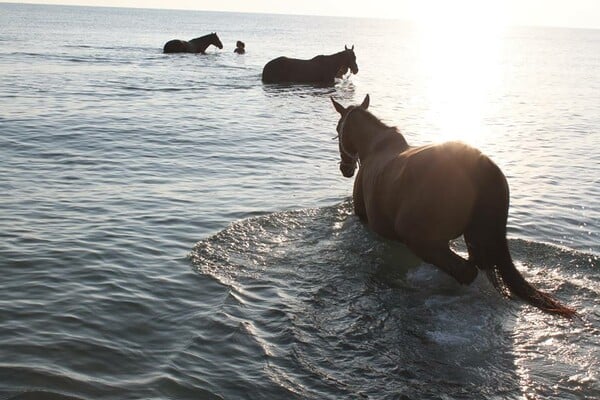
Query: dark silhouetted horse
x=197 y=45
x=426 y=196
x=320 y=69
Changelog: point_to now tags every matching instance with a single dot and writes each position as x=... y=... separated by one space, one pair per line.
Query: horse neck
x=338 y=60
x=368 y=134
x=333 y=62
x=201 y=43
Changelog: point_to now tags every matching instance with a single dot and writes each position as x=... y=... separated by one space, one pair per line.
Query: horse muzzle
x=347 y=170
x=354 y=69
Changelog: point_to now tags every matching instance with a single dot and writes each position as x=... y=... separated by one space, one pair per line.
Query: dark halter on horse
x=354 y=157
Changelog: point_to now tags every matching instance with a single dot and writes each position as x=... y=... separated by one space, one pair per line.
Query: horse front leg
x=358 y=199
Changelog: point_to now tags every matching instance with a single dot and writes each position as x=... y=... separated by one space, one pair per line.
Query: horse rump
x=274 y=71
x=488 y=247
x=175 y=46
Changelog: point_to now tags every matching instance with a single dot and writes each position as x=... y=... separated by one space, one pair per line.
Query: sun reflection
x=460 y=49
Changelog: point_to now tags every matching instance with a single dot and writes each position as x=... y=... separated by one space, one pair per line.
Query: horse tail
x=486 y=240
x=507 y=279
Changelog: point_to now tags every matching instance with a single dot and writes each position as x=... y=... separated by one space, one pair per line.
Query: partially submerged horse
x=426 y=196
x=197 y=45
x=319 y=69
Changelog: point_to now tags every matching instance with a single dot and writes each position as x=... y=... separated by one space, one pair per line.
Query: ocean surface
x=171 y=228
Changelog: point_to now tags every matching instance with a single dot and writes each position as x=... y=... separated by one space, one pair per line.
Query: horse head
x=215 y=41
x=350 y=59
x=348 y=150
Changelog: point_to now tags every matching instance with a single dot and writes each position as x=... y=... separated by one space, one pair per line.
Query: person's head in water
x=240 y=47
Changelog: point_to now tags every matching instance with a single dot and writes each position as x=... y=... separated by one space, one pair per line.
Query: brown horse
x=426 y=196
x=319 y=69
x=197 y=45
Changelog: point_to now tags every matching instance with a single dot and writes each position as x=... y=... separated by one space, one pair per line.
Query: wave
x=336 y=232
x=41 y=394
x=120 y=48
x=92 y=59
x=364 y=315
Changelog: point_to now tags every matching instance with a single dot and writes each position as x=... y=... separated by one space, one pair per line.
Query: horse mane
x=321 y=56
x=372 y=118
x=205 y=36
x=379 y=123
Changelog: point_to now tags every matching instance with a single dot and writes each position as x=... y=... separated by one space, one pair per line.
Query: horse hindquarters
x=273 y=71
x=488 y=247
x=175 y=46
x=486 y=231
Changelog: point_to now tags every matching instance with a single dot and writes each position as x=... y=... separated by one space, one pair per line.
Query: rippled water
x=173 y=228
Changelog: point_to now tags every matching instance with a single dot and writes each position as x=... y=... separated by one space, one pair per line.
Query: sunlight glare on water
x=173 y=228
x=460 y=49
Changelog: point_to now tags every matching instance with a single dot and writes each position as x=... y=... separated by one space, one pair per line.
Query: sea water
x=172 y=228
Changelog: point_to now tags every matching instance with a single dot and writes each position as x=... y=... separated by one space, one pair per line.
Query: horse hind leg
x=485 y=236
x=440 y=255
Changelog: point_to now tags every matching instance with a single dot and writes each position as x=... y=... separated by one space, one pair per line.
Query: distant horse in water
x=426 y=196
x=320 y=69
x=197 y=45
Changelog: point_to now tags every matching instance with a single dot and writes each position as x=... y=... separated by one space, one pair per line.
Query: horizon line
x=383 y=18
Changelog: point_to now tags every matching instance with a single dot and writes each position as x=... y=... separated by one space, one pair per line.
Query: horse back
x=285 y=69
x=428 y=191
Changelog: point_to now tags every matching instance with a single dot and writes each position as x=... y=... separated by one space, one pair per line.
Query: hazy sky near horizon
x=568 y=13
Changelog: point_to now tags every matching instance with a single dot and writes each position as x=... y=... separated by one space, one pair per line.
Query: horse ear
x=352 y=48
x=365 y=103
x=345 y=47
x=338 y=107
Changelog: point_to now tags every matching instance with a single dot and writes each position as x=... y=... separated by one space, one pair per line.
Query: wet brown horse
x=197 y=45
x=426 y=196
x=319 y=69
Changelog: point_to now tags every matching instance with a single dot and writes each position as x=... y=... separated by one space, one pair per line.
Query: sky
x=564 y=13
